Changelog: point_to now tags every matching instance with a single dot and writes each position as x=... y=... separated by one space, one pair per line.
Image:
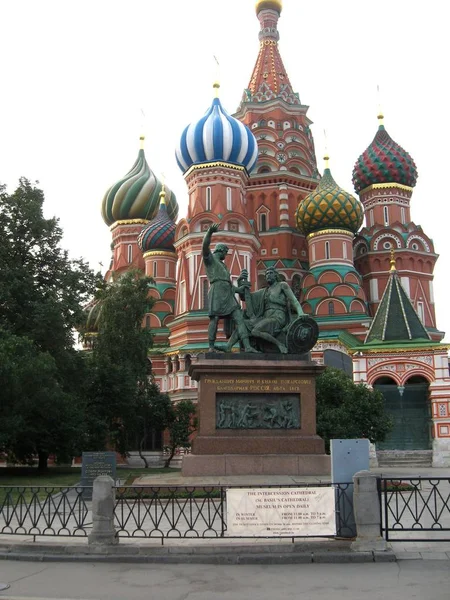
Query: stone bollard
x=366 y=505
x=103 y=500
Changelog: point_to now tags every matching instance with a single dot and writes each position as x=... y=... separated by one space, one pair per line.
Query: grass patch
x=400 y=486
x=26 y=477
x=143 y=493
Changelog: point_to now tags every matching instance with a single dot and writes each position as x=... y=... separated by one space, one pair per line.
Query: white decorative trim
x=413 y=237
x=322 y=346
x=386 y=367
x=428 y=360
x=384 y=236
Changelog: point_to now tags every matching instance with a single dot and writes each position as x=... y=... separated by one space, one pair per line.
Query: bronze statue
x=269 y=320
x=222 y=301
x=267 y=324
x=271 y=310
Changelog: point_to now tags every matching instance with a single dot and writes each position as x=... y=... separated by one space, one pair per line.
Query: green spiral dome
x=136 y=196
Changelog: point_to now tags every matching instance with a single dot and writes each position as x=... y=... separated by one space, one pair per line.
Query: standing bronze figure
x=222 y=301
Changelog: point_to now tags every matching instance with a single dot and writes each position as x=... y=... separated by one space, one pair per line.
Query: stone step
x=411 y=458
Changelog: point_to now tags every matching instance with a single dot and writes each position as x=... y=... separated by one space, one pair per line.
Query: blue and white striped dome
x=217 y=137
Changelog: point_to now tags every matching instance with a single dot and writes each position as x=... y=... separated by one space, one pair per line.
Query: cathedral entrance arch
x=409 y=407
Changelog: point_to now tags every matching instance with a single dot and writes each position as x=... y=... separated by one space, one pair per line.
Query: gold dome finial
x=142 y=136
x=162 y=193
x=216 y=84
x=270 y=4
x=326 y=157
x=380 y=115
x=392 y=261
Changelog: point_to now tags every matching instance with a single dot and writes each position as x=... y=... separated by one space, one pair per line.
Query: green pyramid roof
x=395 y=319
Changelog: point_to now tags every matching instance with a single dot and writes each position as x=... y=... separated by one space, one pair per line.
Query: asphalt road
x=408 y=579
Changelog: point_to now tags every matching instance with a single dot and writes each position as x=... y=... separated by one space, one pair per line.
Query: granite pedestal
x=257 y=416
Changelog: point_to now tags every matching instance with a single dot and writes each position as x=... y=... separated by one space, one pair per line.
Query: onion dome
x=136 y=195
x=89 y=323
x=92 y=312
x=329 y=206
x=217 y=136
x=384 y=161
x=159 y=234
x=269 y=4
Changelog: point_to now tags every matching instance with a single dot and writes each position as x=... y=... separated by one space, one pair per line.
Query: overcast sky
x=76 y=76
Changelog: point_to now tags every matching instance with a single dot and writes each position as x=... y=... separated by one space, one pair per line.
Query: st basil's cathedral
x=358 y=263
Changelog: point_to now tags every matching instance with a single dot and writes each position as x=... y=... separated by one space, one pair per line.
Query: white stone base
x=441 y=452
x=373 y=458
x=155 y=459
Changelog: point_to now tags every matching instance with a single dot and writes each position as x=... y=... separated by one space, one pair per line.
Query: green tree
x=42 y=290
x=37 y=416
x=346 y=410
x=181 y=425
x=42 y=293
x=121 y=389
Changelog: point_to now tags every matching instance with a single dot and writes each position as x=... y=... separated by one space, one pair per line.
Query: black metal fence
x=44 y=511
x=200 y=512
x=415 y=509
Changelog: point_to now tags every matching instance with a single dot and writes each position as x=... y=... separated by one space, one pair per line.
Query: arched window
x=229 y=199
x=386 y=215
x=167 y=268
x=420 y=311
x=327 y=249
x=208 y=198
x=331 y=308
x=263 y=222
x=403 y=214
x=297 y=285
x=147 y=322
x=130 y=253
x=155 y=269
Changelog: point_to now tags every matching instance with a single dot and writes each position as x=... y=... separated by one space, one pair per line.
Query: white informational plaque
x=266 y=512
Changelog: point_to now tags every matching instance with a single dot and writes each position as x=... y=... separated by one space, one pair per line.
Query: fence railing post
x=103 y=500
x=366 y=505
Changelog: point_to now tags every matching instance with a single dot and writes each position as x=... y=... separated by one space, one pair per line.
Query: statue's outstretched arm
x=207 y=239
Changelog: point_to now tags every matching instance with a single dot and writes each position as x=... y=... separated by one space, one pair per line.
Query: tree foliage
x=120 y=389
x=346 y=410
x=181 y=424
x=42 y=292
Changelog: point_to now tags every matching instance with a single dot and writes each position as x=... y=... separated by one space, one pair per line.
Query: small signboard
x=274 y=512
x=95 y=464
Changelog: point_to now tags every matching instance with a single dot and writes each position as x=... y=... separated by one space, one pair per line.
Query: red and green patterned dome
x=329 y=206
x=159 y=234
x=384 y=161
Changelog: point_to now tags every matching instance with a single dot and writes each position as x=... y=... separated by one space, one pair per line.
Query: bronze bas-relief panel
x=271 y=385
x=257 y=411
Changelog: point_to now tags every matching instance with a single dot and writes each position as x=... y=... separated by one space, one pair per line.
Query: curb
x=225 y=555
